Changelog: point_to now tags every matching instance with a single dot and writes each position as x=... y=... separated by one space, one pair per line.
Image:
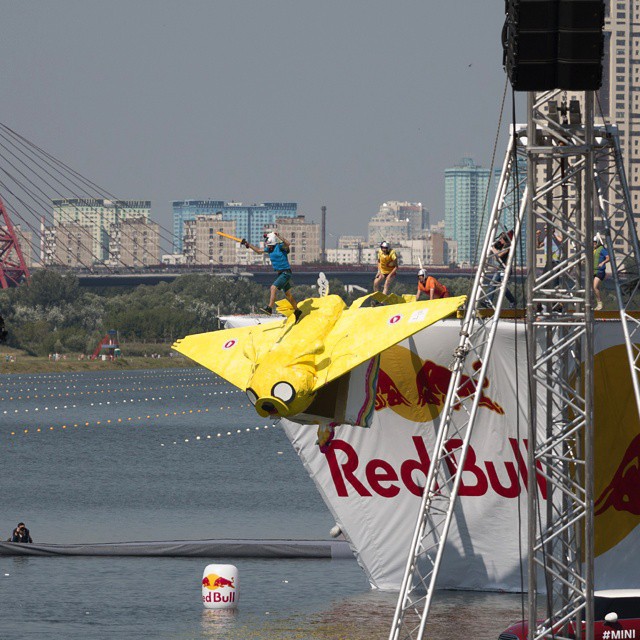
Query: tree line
x=53 y=313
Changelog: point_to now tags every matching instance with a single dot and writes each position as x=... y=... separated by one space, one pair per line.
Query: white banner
x=371 y=479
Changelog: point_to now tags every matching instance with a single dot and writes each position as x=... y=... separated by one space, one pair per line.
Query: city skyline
x=337 y=105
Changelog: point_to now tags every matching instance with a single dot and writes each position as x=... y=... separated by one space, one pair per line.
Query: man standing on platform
x=277 y=248
x=387 y=268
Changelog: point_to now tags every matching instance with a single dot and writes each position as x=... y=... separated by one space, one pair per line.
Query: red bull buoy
x=220 y=586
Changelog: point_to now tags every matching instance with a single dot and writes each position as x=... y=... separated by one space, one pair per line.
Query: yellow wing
x=232 y=353
x=361 y=333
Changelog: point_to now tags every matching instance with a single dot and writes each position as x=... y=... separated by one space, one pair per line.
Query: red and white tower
x=13 y=268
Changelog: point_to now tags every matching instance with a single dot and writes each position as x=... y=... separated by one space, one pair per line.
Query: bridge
x=360 y=275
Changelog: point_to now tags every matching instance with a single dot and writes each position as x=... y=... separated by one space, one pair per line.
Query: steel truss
x=469 y=368
x=559 y=204
x=618 y=225
x=560 y=356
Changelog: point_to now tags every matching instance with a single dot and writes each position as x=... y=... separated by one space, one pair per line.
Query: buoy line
x=222 y=434
x=117 y=421
x=114 y=390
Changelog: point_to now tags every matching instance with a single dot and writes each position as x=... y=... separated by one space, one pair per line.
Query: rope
x=474 y=260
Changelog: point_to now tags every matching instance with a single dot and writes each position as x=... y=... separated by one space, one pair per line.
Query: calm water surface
x=136 y=455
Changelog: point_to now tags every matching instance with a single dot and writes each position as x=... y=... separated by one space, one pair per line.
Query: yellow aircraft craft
x=292 y=369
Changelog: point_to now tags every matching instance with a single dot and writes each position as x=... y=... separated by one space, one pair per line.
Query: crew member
x=500 y=248
x=387 y=268
x=430 y=286
x=600 y=259
x=277 y=248
x=21 y=534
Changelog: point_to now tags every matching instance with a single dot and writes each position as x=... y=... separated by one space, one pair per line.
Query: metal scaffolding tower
x=560 y=202
x=568 y=165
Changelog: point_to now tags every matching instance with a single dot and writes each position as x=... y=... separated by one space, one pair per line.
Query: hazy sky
x=345 y=103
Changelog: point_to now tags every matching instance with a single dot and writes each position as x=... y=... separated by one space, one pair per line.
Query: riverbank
x=16 y=361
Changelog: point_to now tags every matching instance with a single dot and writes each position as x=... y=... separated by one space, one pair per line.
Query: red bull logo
x=617 y=450
x=622 y=492
x=387 y=393
x=416 y=389
x=214 y=582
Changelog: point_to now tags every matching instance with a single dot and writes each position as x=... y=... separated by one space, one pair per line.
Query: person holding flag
x=277 y=248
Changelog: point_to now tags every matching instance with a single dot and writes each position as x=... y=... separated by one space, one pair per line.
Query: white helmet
x=385 y=245
x=422 y=273
x=271 y=240
x=598 y=238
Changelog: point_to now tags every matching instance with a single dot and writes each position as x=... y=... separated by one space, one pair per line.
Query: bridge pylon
x=13 y=268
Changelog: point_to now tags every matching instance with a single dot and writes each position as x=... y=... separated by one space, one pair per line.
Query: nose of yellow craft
x=271 y=407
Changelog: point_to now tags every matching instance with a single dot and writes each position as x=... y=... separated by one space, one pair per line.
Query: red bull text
x=216 y=596
x=379 y=477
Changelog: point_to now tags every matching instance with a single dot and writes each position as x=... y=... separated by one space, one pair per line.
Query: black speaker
x=530 y=41
x=550 y=44
x=580 y=44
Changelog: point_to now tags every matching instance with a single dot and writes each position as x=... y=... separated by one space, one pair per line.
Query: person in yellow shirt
x=387 y=268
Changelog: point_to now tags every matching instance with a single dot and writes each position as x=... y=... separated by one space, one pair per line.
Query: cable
x=43 y=202
x=474 y=257
x=105 y=247
x=56 y=161
x=516 y=210
x=67 y=182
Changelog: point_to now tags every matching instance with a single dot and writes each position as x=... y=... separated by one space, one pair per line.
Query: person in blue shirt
x=277 y=248
x=600 y=259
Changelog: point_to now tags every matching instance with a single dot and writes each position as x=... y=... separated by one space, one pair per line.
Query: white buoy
x=220 y=586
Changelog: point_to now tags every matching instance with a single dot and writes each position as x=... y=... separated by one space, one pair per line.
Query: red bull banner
x=371 y=479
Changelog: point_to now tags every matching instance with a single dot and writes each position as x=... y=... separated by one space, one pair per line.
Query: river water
x=166 y=455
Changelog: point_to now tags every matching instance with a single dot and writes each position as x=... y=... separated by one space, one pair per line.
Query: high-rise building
x=134 y=243
x=385 y=225
x=398 y=221
x=250 y=220
x=468 y=200
x=69 y=244
x=414 y=213
x=202 y=245
x=619 y=97
x=304 y=238
x=98 y=215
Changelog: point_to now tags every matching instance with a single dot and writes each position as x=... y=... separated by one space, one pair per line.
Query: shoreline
x=34 y=364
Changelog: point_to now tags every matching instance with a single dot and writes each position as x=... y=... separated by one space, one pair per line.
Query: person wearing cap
x=600 y=259
x=277 y=248
x=387 y=268
x=21 y=534
x=430 y=286
x=501 y=248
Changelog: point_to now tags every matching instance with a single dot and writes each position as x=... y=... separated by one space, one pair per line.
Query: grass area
x=16 y=361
